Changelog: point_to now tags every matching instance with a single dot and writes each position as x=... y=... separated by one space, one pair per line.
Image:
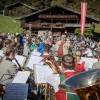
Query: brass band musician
x=67 y=67
x=7 y=67
x=80 y=66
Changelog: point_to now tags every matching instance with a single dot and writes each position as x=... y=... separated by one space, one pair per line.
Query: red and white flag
x=83 y=16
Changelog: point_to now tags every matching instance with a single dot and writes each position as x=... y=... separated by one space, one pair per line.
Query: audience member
x=62 y=46
x=97 y=64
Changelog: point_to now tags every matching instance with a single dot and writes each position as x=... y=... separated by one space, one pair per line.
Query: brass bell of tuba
x=86 y=84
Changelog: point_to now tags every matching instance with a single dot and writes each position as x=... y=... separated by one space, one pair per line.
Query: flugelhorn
x=50 y=60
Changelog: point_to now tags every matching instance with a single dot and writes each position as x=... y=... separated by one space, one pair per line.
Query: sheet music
x=21 y=77
x=20 y=59
x=40 y=73
x=1 y=53
x=90 y=61
x=34 y=60
x=35 y=53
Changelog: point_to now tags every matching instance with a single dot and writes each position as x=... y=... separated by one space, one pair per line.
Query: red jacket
x=61 y=94
x=80 y=67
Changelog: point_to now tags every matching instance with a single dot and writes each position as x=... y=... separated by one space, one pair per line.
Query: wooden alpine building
x=56 y=19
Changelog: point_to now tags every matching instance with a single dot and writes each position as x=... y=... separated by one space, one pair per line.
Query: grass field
x=97 y=28
x=9 y=25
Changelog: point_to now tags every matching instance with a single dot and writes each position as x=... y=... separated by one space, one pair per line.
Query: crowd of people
x=67 y=48
x=29 y=42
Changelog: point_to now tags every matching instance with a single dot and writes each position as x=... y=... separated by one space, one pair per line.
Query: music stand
x=2 y=91
x=16 y=91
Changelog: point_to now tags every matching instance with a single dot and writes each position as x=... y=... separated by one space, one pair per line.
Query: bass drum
x=86 y=84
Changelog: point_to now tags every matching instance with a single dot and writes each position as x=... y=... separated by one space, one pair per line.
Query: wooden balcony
x=76 y=25
x=49 y=25
x=58 y=16
x=39 y=25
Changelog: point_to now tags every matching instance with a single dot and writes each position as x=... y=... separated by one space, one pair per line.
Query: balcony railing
x=39 y=25
x=58 y=16
x=76 y=25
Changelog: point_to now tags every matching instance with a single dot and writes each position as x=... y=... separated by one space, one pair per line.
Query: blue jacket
x=41 y=48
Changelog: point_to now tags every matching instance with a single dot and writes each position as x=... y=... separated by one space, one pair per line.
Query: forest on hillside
x=93 y=5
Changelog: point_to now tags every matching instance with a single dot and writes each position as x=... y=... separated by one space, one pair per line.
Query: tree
x=73 y=4
x=77 y=31
x=39 y=4
x=59 y=2
x=47 y=3
x=1 y=7
x=87 y=32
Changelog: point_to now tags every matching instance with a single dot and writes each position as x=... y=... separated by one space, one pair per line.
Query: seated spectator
x=88 y=52
x=33 y=46
x=97 y=64
x=41 y=47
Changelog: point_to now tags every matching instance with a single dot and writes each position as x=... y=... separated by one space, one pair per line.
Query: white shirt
x=86 y=66
x=89 y=53
x=54 y=80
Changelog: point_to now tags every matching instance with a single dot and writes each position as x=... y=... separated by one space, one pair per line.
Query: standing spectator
x=62 y=45
x=26 y=48
x=33 y=46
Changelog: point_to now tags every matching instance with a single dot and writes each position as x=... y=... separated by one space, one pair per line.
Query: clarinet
x=20 y=69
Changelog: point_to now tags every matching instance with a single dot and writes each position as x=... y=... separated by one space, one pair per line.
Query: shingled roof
x=48 y=8
x=7 y=6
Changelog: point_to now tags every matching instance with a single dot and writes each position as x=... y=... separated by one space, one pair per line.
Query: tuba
x=50 y=60
x=86 y=84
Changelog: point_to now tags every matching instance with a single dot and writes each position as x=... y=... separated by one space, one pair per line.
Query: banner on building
x=83 y=16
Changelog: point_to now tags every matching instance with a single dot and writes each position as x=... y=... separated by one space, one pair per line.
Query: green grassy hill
x=97 y=28
x=8 y=24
